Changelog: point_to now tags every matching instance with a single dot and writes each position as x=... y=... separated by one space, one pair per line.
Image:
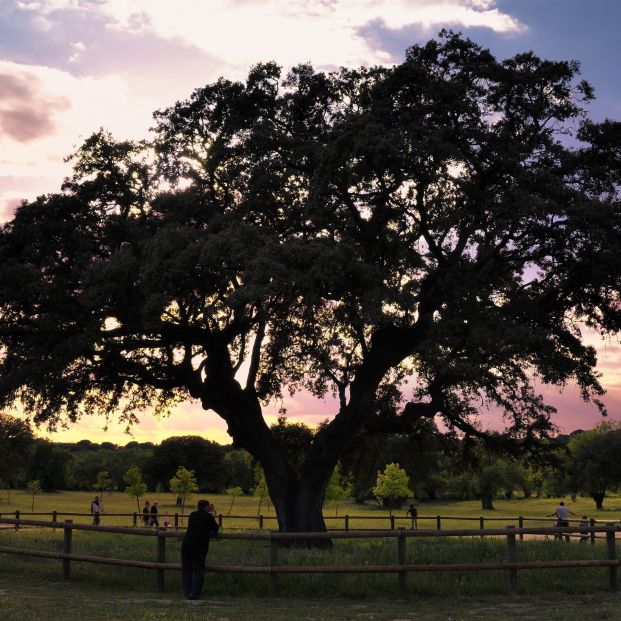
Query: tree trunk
x=298 y=497
x=598 y=497
x=486 y=502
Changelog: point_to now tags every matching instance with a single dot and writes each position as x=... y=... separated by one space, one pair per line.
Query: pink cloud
x=26 y=113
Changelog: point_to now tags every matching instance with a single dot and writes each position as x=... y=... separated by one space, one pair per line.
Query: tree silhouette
x=451 y=220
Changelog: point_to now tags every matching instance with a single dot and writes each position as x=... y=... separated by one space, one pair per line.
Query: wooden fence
x=348 y=521
x=510 y=566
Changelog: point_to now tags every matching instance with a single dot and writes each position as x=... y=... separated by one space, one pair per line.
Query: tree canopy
x=451 y=221
x=594 y=466
x=16 y=440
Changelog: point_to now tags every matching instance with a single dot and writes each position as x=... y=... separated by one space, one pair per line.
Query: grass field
x=106 y=592
x=118 y=502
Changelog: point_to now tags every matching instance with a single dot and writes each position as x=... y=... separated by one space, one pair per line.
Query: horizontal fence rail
x=511 y=565
x=178 y=520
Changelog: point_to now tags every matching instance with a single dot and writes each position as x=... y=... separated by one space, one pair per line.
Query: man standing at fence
x=562 y=514
x=194 y=548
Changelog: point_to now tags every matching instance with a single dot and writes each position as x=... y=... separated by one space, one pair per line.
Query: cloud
x=45 y=113
x=80 y=38
x=26 y=112
x=193 y=37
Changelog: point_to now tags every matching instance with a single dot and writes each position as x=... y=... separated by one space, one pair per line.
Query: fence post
x=135 y=519
x=273 y=563
x=176 y=521
x=54 y=516
x=161 y=558
x=511 y=558
x=592 y=524
x=260 y=522
x=67 y=540
x=17 y=518
x=438 y=522
x=612 y=555
x=521 y=525
x=392 y=522
x=347 y=522
x=220 y=520
x=401 y=540
x=482 y=525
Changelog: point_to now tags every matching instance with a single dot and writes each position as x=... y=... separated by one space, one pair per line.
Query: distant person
x=146 y=513
x=154 y=520
x=413 y=512
x=194 y=548
x=96 y=509
x=584 y=529
x=562 y=514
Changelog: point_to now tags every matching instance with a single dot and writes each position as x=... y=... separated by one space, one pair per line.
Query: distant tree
x=102 y=482
x=16 y=441
x=203 y=457
x=183 y=484
x=134 y=487
x=555 y=482
x=260 y=490
x=339 y=487
x=595 y=464
x=241 y=470
x=233 y=492
x=392 y=486
x=50 y=464
x=34 y=487
x=489 y=480
x=389 y=437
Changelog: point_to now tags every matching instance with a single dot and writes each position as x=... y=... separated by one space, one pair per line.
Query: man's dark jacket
x=200 y=527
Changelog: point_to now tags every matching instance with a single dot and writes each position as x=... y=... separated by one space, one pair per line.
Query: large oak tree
x=451 y=221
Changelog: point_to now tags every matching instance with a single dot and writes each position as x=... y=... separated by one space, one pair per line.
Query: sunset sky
x=68 y=67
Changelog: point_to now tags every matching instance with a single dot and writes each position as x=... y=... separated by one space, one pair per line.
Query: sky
x=69 y=67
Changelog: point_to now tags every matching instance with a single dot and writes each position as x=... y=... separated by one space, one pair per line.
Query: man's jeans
x=192 y=569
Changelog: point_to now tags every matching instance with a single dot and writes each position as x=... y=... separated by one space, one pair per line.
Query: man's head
x=561 y=504
x=97 y=498
x=203 y=504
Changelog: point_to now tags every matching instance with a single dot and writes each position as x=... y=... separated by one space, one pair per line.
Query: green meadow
x=362 y=516
x=344 y=552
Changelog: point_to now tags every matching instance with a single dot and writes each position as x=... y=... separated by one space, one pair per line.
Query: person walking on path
x=146 y=513
x=154 y=520
x=96 y=509
x=194 y=548
x=413 y=512
x=562 y=514
x=584 y=529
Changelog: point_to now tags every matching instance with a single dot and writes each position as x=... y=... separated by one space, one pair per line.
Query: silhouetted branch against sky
x=68 y=67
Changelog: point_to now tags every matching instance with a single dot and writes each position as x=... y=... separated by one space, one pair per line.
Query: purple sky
x=68 y=67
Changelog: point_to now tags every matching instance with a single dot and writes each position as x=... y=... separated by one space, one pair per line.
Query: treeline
x=75 y=465
x=435 y=465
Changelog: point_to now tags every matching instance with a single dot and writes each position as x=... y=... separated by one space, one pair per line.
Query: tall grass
x=344 y=552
